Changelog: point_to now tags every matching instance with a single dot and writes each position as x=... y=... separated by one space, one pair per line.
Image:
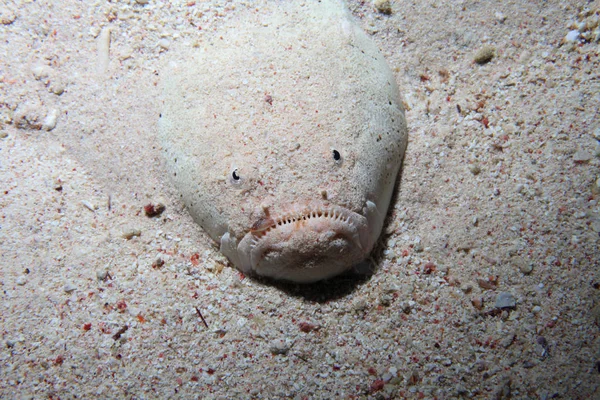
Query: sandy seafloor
x=498 y=206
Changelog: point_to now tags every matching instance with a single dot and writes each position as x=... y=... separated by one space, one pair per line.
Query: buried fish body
x=284 y=135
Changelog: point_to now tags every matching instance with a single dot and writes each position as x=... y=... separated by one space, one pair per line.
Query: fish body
x=284 y=135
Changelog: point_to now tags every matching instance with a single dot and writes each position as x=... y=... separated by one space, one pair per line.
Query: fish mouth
x=307 y=244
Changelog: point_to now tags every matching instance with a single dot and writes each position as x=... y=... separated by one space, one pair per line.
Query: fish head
x=287 y=158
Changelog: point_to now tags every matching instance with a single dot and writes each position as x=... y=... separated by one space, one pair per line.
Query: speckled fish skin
x=284 y=135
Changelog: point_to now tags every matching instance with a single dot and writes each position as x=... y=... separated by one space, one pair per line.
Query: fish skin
x=284 y=134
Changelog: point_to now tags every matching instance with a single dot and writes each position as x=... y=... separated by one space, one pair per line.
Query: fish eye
x=337 y=156
x=236 y=177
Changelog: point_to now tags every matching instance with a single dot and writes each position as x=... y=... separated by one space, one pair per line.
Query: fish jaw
x=307 y=244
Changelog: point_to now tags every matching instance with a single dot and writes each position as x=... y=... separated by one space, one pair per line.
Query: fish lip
x=265 y=226
x=298 y=245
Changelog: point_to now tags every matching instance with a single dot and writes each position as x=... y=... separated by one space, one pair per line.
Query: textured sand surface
x=487 y=280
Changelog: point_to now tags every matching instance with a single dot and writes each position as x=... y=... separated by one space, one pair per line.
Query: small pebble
x=486 y=283
x=103 y=51
x=7 y=16
x=329 y=359
x=575 y=239
x=164 y=44
x=542 y=346
x=89 y=206
x=467 y=288
x=359 y=305
x=102 y=274
x=508 y=340
x=595 y=225
x=154 y=210
x=406 y=307
x=383 y=6
x=503 y=390
x=130 y=234
x=465 y=246
x=158 y=263
x=21 y=280
x=582 y=156
x=484 y=55
x=40 y=71
x=475 y=169
x=57 y=87
x=505 y=300
x=572 y=36
x=461 y=391
x=50 y=120
x=418 y=247
x=542 y=341
x=524 y=266
x=386 y=299
x=69 y=287
x=280 y=346
x=28 y=116
x=142 y=2
x=477 y=302
x=596 y=186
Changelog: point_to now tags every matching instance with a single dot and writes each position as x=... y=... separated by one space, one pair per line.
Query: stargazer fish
x=284 y=133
